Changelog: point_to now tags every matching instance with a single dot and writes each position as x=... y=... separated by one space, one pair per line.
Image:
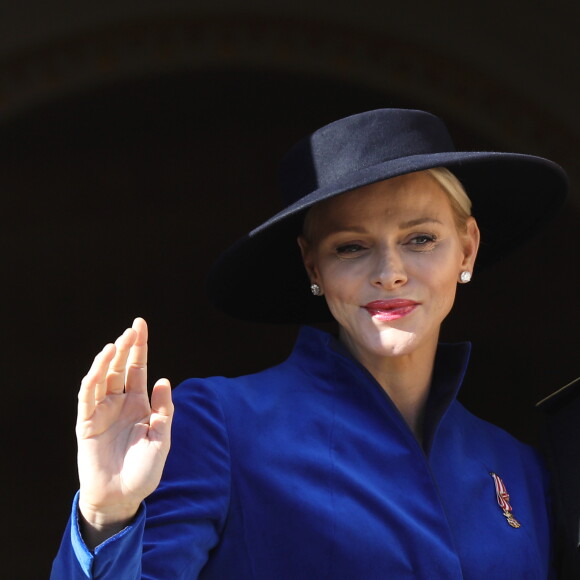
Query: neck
x=406 y=379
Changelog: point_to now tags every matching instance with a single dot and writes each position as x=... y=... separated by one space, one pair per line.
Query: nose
x=389 y=271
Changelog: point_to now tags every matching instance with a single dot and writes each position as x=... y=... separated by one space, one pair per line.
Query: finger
x=94 y=383
x=161 y=411
x=136 y=379
x=117 y=368
x=161 y=402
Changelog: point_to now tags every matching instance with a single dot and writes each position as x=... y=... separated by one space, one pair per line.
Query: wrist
x=98 y=525
x=107 y=517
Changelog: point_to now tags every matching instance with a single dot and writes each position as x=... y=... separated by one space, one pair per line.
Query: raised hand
x=123 y=440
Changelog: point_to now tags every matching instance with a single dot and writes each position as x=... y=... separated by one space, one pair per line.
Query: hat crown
x=349 y=145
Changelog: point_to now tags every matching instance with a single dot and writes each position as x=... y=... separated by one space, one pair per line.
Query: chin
x=382 y=341
x=390 y=342
x=396 y=346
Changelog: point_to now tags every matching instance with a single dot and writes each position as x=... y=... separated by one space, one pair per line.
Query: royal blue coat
x=308 y=471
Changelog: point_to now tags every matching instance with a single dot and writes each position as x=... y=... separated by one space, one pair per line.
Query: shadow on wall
x=115 y=202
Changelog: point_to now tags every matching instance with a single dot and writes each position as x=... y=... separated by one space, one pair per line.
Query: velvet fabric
x=308 y=471
x=513 y=195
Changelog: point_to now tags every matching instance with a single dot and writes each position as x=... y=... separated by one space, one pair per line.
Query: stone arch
x=415 y=74
x=63 y=296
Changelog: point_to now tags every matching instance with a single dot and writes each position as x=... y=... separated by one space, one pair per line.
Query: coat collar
x=451 y=361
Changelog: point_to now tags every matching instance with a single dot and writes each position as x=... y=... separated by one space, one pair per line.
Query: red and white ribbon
x=503 y=500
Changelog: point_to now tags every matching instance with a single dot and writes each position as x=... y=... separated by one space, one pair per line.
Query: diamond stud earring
x=315 y=289
x=465 y=276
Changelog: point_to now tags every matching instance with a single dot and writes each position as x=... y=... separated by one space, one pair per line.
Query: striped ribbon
x=503 y=499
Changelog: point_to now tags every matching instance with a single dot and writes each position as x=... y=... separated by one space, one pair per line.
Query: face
x=388 y=257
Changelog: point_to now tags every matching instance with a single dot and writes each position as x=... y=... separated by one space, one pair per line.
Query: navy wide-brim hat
x=262 y=278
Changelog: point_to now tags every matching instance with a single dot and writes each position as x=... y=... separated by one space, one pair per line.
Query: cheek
x=447 y=298
x=443 y=283
x=341 y=279
x=439 y=274
x=342 y=285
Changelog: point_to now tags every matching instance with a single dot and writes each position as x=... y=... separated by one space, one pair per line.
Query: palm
x=122 y=439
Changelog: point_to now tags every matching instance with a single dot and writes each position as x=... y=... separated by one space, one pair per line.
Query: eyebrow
x=419 y=221
x=404 y=225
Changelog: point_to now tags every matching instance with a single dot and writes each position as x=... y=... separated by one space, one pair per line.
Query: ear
x=470 y=244
x=308 y=259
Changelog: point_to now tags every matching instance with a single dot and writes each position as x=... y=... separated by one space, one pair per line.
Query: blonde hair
x=451 y=186
x=458 y=198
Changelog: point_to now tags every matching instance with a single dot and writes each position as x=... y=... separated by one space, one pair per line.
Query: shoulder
x=244 y=386
x=471 y=423
x=305 y=369
x=240 y=404
x=493 y=444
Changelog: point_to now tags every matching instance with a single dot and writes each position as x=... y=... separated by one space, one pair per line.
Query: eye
x=423 y=241
x=347 y=250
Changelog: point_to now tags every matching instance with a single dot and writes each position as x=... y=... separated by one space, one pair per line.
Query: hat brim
x=512 y=197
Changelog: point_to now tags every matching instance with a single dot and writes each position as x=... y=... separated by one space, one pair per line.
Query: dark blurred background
x=137 y=140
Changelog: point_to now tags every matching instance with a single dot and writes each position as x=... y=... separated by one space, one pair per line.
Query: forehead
x=404 y=196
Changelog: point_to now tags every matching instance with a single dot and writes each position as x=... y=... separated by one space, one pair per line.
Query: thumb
x=161 y=409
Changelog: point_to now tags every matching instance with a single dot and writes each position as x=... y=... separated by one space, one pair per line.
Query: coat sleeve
x=174 y=532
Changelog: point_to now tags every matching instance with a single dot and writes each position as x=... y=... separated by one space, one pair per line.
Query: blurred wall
x=137 y=140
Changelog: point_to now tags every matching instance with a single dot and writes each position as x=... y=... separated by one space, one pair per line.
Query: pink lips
x=390 y=309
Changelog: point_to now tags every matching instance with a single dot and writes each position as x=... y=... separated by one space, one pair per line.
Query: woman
x=352 y=459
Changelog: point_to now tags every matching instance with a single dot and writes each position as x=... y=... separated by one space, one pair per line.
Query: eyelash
x=429 y=240
x=349 y=249
x=422 y=242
